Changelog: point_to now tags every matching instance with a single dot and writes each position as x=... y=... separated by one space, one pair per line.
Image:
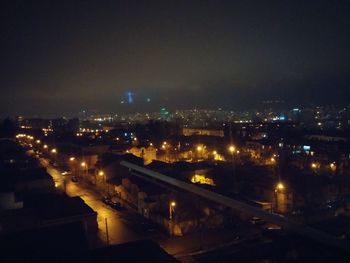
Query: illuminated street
x=120 y=224
x=55 y=174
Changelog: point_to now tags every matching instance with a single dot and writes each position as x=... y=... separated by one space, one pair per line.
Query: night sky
x=60 y=57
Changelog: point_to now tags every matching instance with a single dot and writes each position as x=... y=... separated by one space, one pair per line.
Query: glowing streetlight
x=83 y=164
x=313 y=165
x=280 y=186
x=199 y=148
x=273 y=159
x=171 y=209
x=215 y=152
x=101 y=173
x=54 y=150
x=72 y=159
x=45 y=146
x=232 y=149
x=333 y=166
x=38 y=141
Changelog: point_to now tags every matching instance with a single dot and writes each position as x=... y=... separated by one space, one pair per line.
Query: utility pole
x=107 y=236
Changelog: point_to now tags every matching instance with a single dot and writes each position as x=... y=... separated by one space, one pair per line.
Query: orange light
x=280 y=186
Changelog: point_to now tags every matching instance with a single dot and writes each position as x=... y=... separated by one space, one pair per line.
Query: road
x=56 y=175
x=123 y=226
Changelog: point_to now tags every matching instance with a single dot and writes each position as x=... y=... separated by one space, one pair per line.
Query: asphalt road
x=123 y=226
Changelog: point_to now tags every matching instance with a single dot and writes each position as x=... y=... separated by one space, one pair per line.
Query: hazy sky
x=59 y=57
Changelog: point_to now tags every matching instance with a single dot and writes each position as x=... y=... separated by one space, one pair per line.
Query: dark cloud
x=59 y=57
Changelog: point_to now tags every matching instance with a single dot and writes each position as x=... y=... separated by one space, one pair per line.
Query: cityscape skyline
x=175 y=131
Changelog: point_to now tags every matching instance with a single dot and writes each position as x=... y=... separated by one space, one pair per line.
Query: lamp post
x=200 y=149
x=279 y=190
x=166 y=147
x=103 y=175
x=72 y=164
x=172 y=205
x=85 y=167
x=232 y=150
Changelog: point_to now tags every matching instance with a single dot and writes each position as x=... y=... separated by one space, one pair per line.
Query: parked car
x=116 y=205
x=106 y=200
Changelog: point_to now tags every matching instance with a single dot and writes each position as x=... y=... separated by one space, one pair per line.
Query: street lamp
x=45 y=146
x=280 y=186
x=171 y=210
x=84 y=166
x=54 y=150
x=72 y=159
x=314 y=166
x=232 y=149
x=103 y=175
x=279 y=197
x=172 y=205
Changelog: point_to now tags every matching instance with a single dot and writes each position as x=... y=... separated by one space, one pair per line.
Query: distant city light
x=306 y=148
x=130 y=97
